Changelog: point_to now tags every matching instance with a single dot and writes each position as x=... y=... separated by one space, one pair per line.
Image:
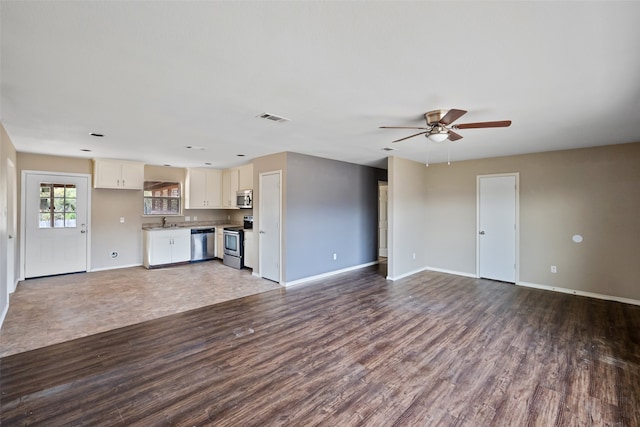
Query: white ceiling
x=155 y=77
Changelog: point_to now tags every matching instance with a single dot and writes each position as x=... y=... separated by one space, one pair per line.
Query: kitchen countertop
x=190 y=224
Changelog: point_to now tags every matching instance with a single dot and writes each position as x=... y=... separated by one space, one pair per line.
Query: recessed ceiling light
x=388 y=149
x=99 y=135
x=85 y=149
x=208 y=163
x=240 y=155
x=166 y=165
x=194 y=147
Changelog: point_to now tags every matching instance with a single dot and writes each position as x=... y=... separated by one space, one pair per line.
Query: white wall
x=407 y=216
x=594 y=192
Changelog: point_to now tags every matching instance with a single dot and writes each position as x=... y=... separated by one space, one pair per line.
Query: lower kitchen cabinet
x=166 y=246
x=219 y=242
x=248 y=249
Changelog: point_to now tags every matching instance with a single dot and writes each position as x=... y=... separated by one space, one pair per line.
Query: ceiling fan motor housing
x=434 y=116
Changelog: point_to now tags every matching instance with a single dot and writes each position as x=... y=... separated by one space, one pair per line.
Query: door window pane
x=57 y=205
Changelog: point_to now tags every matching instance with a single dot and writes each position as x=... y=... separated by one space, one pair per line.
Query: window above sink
x=162 y=198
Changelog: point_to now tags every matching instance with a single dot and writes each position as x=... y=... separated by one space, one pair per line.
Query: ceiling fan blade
x=411 y=136
x=498 y=124
x=400 y=127
x=452 y=116
x=454 y=136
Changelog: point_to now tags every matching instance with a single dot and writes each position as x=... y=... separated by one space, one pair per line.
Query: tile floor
x=51 y=310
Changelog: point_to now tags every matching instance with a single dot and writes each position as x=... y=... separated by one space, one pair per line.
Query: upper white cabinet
x=245 y=179
x=118 y=174
x=230 y=182
x=204 y=188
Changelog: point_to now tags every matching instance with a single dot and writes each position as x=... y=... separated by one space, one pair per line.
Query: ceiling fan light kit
x=440 y=135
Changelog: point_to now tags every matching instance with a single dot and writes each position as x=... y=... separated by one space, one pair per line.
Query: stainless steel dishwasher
x=203 y=243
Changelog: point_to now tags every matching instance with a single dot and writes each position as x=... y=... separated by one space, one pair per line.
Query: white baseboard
x=439 y=270
x=117 y=267
x=407 y=274
x=328 y=274
x=581 y=293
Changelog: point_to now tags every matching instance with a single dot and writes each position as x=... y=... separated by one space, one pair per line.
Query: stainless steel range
x=233 y=247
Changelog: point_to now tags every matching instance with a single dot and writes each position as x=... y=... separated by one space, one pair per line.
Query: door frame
x=12 y=225
x=380 y=185
x=517 y=219
x=23 y=213
x=260 y=209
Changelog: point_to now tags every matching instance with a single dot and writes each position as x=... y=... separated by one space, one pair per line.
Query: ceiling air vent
x=273 y=117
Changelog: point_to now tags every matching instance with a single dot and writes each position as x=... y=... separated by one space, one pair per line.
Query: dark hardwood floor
x=432 y=349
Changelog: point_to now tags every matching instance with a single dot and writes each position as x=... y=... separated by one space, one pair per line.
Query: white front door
x=269 y=234
x=55 y=218
x=383 y=222
x=12 y=225
x=497 y=227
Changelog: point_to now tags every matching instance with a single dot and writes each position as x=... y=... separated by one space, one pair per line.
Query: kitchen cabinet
x=245 y=179
x=230 y=182
x=118 y=174
x=166 y=246
x=219 y=242
x=248 y=249
x=203 y=188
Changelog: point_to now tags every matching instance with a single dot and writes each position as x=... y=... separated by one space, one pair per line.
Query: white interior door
x=55 y=218
x=12 y=225
x=497 y=227
x=383 y=221
x=269 y=234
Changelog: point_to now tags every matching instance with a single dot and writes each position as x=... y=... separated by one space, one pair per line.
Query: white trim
x=517 y=249
x=328 y=274
x=4 y=313
x=439 y=270
x=13 y=241
x=117 y=267
x=23 y=197
x=280 y=207
x=580 y=293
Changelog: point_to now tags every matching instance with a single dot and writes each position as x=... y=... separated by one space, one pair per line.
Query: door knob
x=482 y=232
x=10 y=236
x=261 y=232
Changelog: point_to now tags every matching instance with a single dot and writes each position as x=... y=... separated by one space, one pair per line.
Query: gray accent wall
x=332 y=207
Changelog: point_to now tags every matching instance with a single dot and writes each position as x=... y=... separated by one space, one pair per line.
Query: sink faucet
x=164 y=221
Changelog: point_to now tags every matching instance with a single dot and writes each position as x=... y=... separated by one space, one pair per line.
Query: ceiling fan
x=439 y=125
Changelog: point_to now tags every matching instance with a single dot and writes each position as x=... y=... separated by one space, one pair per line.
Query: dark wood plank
x=354 y=349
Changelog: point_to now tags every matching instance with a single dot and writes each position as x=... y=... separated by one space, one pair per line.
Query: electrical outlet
x=335 y=257
x=195 y=218
x=121 y=220
x=554 y=269
x=187 y=218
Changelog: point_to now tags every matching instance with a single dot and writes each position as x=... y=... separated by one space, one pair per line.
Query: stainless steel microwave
x=244 y=199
